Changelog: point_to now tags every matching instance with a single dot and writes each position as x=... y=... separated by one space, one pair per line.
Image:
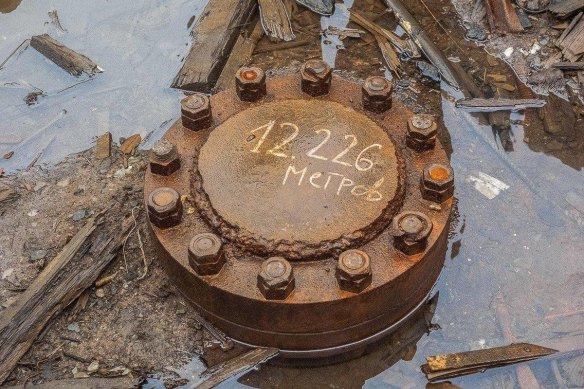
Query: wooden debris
x=557 y=115
x=105 y=280
x=492 y=105
x=565 y=8
x=266 y=48
x=130 y=144
x=568 y=65
x=240 y=56
x=7 y=194
x=321 y=7
x=502 y=16
x=72 y=271
x=72 y=62
x=87 y=383
x=1 y=172
x=103 y=146
x=454 y=365
x=214 y=35
x=275 y=20
x=55 y=20
x=421 y=38
x=237 y=365
x=344 y=33
x=8 y=155
x=572 y=40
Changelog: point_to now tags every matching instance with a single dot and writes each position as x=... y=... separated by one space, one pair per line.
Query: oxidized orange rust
x=241 y=193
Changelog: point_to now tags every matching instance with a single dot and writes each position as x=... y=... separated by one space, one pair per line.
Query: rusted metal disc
x=300 y=179
x=232 y=176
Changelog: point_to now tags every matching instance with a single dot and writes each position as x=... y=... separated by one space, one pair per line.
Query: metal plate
x=318 y=315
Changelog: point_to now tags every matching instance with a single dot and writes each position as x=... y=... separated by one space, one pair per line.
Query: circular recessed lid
x=299 y=171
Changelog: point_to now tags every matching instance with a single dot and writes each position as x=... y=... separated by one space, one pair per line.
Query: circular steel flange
x=252 y=179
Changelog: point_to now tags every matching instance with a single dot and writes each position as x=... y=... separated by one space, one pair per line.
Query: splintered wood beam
x=214 y=35
x=67 y=59
x=502 y=16
x=72 y=271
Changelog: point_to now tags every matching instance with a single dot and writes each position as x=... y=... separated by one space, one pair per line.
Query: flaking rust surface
x=297 y=175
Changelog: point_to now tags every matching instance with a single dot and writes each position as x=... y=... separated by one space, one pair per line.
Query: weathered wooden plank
x=492 y=105
x=568 y=65
x=237 y=365
x=573 y=44
x=502 y=16
x=565 y=8
x=84 y=383
x=64 y=57
x=72 y=271
x=275 y=20
x=240 y=56
x=214 y=35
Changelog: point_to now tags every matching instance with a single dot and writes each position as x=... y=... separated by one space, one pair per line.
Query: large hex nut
x=376 y=94
x=276 y=278
x=250 y=83
x=196 y=112
x=164 y=207
x=316 y=77
x=437 y=183
x=422 y=130
x=354 y=271
x=206 y=255
x=164 y=158
x=410 y=231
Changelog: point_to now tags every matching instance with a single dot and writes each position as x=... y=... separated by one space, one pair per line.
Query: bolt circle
x=422 y=121
x=411 y=224
x=249 y=74
x=316 y=66
x=275 y=269
x=162 y=149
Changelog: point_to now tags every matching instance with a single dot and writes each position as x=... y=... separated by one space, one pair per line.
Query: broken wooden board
x=275 y=20
x=7 y=194
x=468 y=362
x=492 y=105
x=237 y=365
x=67 y=59
x=502 y=16
x=72 y=271
x=569 y=66
x=103 y=146
x=572 y=44
x=321 y=7
x=85 y=383
x=130 y=144
x=557 y=115
x=565 y=8
x=214 y=35
x=240 y=56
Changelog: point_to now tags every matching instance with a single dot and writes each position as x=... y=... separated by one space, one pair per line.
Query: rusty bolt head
x=422 y=126
x=376 y=92
x=164 y=159
x=196 y=112
x=437 y=182
x=316 y=77
x=164 y=207
x=276 y=278
x=354 y=271
x=250 y=83
x=410 y=231
x=206 y=254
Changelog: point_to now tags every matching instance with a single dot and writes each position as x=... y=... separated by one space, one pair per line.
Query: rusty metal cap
x=354 y=271
x=422 y=126
x=413 y=226
x=438 y=176
x=276 y=278
x=205 y=248
x=250 y=83
x=163 y=201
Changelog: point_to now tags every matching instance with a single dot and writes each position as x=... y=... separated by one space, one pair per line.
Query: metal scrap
x=469 y=362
